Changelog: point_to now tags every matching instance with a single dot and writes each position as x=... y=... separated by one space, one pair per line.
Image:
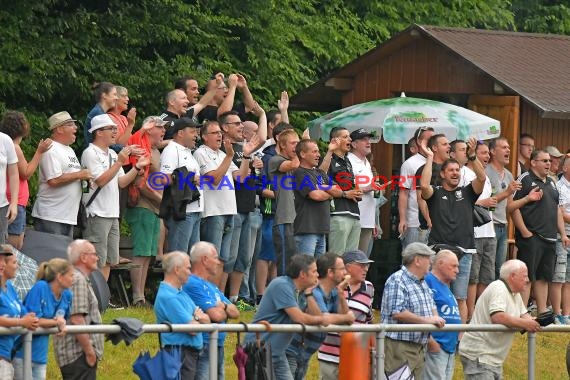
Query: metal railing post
x=380 y=338
x=27 y=346
x=213 y=353
x=531 y=354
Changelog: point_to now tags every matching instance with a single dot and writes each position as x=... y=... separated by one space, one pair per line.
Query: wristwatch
x=309 y=294
x=196 y=317
x=472 y=158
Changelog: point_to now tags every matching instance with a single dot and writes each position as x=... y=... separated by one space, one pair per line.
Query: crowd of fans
x=247 y=216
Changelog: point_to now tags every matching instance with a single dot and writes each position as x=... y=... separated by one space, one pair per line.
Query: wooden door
x=506 y=109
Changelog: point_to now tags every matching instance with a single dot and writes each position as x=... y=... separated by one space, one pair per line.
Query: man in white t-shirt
x=59 y=193
x=218 y=172
x=102 y=228
x=8 y=170
x=360 y=148
x=409 y=226
x=183 y=234
x=483 y=353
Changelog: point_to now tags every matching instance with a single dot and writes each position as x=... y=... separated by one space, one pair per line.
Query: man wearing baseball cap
x=182 y=234
x=362 y=169
x=106 y=166
x=358 y=294
x=407 y=299
x=59 y=193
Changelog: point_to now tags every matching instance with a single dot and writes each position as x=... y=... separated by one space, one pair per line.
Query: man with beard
x=440 y=147
x=451 y=209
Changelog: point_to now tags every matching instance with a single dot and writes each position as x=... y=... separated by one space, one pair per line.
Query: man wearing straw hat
x=59 y=194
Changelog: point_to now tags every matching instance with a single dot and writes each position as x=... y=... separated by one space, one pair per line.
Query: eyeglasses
x=90 y=253
x=503 y=185
x=420 y=130
x=544 y=160
x=214 y=133
x=235 y=123
x=110 y=129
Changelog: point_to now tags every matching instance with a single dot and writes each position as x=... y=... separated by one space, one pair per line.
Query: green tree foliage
x=52 y=51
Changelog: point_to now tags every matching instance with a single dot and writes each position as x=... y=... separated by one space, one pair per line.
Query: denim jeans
x=298 y=366
x=281 y=368
x=38 y=370
x=241 y=250
x=459 y=286
x=501 y=233
x=414 y=234
x=438 y=366
x=217 y=230
x=247 y=288
x=203 y=372
x=183 y=234
x=311 y=244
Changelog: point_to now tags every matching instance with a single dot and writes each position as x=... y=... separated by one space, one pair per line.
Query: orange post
x=354 y=360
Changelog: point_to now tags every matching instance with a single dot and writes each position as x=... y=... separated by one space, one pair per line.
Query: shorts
x=483 y=263
x=18 y=226
x=145 y=229
x=561 y=270
x=539 y=256
x=104 y=234
x=267 y=251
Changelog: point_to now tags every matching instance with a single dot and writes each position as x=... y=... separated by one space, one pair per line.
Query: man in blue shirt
x=329 y=296
x=440 y=355
x=175 y=306
x=288 y=299
x=206 y=269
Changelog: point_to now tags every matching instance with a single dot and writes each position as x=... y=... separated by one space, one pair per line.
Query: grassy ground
x=118 y=360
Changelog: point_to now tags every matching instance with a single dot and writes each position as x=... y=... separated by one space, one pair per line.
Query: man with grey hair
x=174 y=306
x=440 y=355
x=408 y=299
x=206 y=268
x=483 y=352
x=77 y=354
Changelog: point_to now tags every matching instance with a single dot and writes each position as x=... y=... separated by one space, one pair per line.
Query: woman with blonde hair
x=50 y=300
x=125 y=124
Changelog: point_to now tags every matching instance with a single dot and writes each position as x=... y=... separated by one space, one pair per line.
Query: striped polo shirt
x=360 y=303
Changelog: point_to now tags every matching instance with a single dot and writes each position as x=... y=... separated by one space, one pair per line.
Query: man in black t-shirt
x=313 y=194
x=537 y=218
x=451 y=211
